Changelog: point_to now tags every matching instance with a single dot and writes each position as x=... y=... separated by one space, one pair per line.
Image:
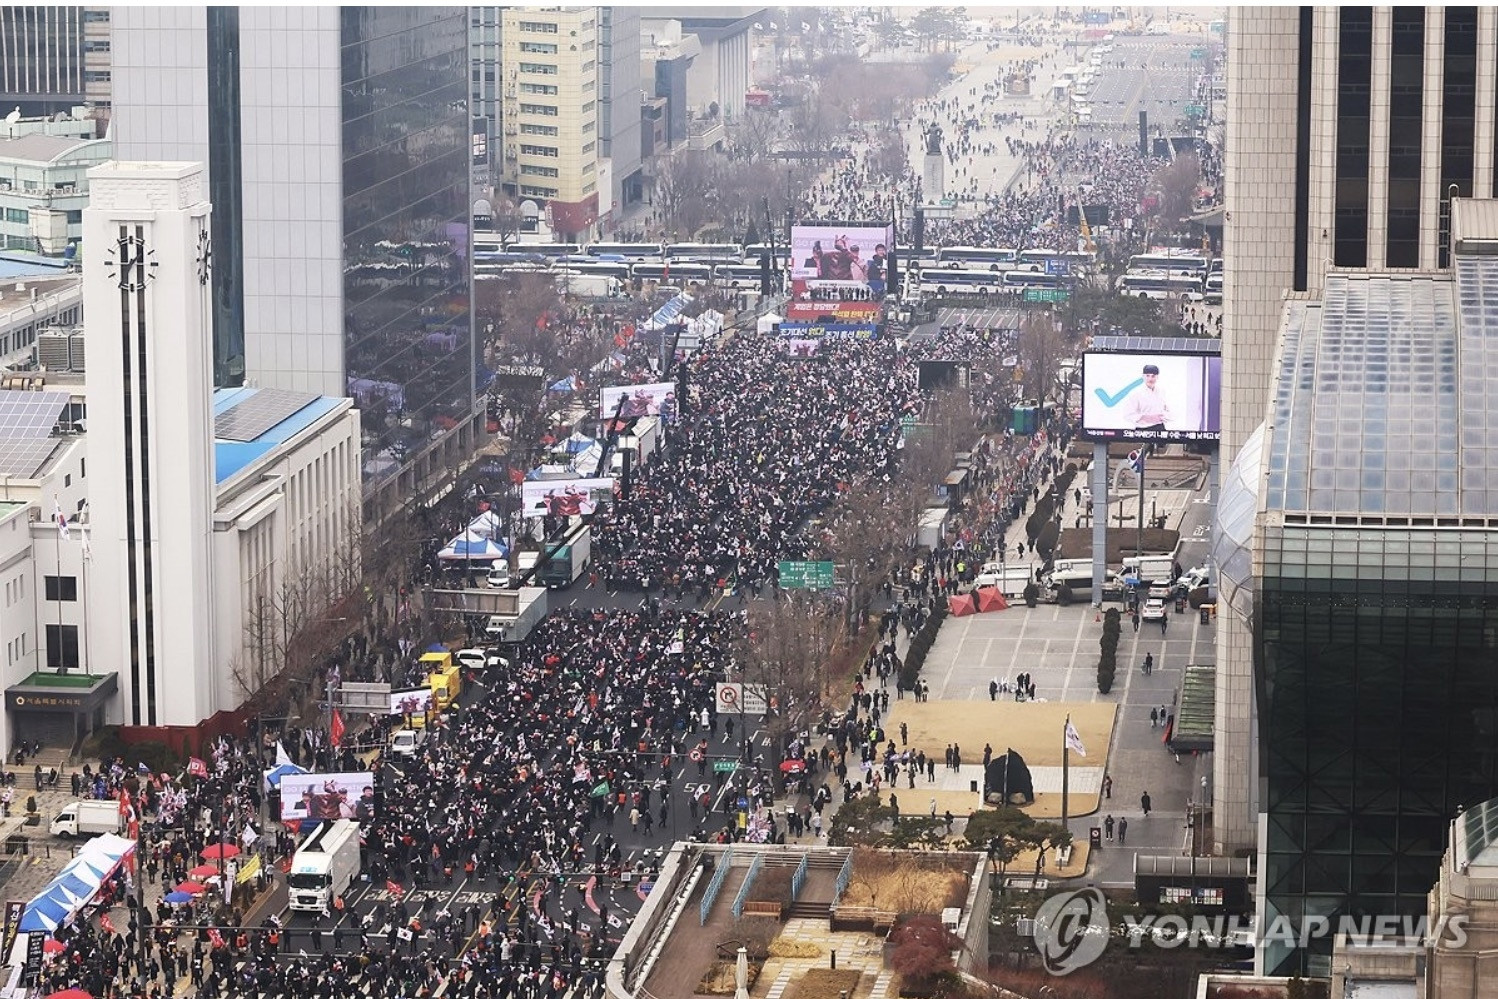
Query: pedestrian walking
x=1108 y=828
x=1107 y=786
x=1123 y=831
x=1135 y=618
x=1144 y=804
x=1154 y=718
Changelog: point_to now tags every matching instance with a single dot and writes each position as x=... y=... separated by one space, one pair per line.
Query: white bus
x=989 y=257
x=1213 y=292
x=1171 y=261
x=1034 y=279
x=780 y=256
x=703 y=251
x=545 y=249
x=672 y=272
x=626 y=251
x=611 y=268
x=954 y=281
x=589 y=285
x=1160 y=285
x=739 y=277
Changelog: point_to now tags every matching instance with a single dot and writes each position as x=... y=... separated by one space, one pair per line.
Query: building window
x=588 y=107
x=538 y=192
x=75 y=217
x=62 y=646
x=589 y=66
x=538 y=88
x=542 y=68
x=1406 y=113
x=587 y=127
x=549 y=110
x=589 y=146
x=529 y=129
x=1354 y=79
x=539 y=171
x=530 y=150
x=1459 y=113
x=95 y=76
x=540 y=27
x=588 y=88
x=20 y=216
x=539 y=48
x=95 y=15
x=61 y=588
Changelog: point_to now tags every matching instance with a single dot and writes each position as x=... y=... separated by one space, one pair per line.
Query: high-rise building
x=1348 y=131
x=338 y=149
x=54 y=58
x=549 y=86
x=1349 y=562
x=619 y=104
x=486 y=101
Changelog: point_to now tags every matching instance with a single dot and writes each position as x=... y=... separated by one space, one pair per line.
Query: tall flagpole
x=1065 y=764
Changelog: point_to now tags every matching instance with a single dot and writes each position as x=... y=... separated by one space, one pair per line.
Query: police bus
x=960 y=281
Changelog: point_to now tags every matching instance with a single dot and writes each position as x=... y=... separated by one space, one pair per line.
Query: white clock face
x=130 y=262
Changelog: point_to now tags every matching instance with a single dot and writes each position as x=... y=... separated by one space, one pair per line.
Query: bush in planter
x=1064 y=595
x=1032 y=594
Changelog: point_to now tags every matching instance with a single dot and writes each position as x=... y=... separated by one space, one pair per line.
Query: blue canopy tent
x=472 y=547
x=274 y=775
x=75 y=885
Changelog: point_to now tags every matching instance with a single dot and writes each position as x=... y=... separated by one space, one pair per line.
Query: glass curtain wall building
x=1374 y=579
x=339 y=176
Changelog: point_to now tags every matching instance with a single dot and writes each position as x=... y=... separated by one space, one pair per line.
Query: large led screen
x=655 y=399
x=565 y=497
x=1152 y=397
x=827 y=257
x=328 y=797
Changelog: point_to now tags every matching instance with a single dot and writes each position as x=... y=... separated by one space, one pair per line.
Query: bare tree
x=1176 y=184
x=788 y=645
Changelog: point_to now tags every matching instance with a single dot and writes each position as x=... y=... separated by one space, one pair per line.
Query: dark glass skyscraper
x=337 y=141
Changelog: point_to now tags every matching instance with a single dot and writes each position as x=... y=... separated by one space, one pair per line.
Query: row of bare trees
x=793 y=640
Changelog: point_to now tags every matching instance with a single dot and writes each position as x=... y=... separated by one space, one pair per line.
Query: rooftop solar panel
x=258 y=413
x=24 y=457
x=29 y=414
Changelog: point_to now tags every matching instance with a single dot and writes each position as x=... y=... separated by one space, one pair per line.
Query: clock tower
x=148 y=322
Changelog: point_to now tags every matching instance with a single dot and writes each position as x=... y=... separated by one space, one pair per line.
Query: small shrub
x=1064 y=595
x=1032 y=595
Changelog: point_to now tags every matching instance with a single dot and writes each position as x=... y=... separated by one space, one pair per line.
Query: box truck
x=324 y=866
x=87 y=818
x=569 y=561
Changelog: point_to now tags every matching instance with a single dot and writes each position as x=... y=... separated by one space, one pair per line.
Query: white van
x=499 y=576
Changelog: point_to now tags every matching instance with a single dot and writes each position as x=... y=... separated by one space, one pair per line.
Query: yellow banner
x=249 y=870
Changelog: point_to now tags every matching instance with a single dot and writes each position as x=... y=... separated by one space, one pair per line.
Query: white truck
x=642 y=444
x=569 y=560
x=1010 y=578
x=1152 y=568
x=324 y=866
x=87 y=818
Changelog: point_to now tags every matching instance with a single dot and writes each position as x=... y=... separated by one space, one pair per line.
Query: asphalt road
x=1151 y=74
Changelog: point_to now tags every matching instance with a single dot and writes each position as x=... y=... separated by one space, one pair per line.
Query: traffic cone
x=1097 y=615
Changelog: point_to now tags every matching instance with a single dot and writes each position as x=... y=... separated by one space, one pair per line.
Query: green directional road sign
x=1047 y=295
x=806 y=575
x=724 y=766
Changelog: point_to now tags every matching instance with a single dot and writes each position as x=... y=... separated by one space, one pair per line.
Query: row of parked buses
x=1163 y=274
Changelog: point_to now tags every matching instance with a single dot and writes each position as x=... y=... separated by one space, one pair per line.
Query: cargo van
x=1009 y=578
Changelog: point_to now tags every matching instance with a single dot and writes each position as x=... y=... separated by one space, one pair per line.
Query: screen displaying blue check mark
x=1113 y=400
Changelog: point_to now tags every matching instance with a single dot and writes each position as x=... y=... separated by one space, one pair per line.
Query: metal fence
x=798 y=880
x=725 y=861
x=747 y=886
x=843 y=877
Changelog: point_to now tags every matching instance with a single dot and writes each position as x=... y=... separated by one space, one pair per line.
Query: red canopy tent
x=961 y=605
x=990 y=599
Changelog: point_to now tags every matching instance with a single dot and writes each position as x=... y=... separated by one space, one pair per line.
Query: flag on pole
x=88 y=550
x=335 y=728
x=394 y=888
x=282 y=759
x=197 y=767
x=62 y=521
x=1074 y=739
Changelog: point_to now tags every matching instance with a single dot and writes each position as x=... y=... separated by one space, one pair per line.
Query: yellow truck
x=444 y=677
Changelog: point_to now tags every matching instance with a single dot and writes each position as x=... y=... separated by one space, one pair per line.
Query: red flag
x=105 y=924
x=394 y=888
x=336 y=728
x=215 y=937
x=197 y=767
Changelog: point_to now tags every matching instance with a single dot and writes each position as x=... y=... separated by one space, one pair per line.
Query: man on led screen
x=1146 y=408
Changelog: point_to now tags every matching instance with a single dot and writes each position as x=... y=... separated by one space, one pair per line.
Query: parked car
x=1154 y=609
x=470 y=658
